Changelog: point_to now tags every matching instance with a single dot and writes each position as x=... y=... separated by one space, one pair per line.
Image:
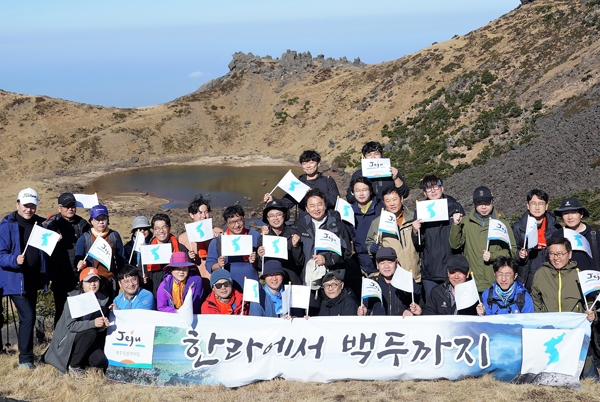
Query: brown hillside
x=543 y=51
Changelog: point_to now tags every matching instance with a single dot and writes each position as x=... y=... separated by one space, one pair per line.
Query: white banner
x=531 y=233
x=578 y=241
x=199 y=231
x=498 y=231
x=466 y=294
x=101 y=252
x=589 y=281
x=294 y=187
x=86 y=200
x=375 y=168
x=83 y=304
x=156 y=253
x=388 y=223
x=403 y=280
x=250 y=293
x=327 y=241
x=235 y=351
x=370 y=288
x=432 y=210
x=232 y=245
x=345 y=210
x=275 y=246
x=43 y=239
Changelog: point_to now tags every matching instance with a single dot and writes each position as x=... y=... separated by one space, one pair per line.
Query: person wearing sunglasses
x=223 y=298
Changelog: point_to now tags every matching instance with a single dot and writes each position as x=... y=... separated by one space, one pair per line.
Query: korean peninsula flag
x=101 y=252
x=531 y=233
x=43 y=239
x=294 y=187
x=578 y=242
x=433 y=210
x=275 y=246
x=251 y=291
x=551 y=351
x=156 y=253
x=199 y=231
x=232 y=245
x=345 y=210
x=86 y=200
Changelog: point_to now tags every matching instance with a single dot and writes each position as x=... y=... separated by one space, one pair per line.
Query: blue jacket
x=497 y=306
x=144 y=300
x=11 y=274
x=359 y=233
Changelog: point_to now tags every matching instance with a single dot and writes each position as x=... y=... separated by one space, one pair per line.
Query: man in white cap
x=22 y=274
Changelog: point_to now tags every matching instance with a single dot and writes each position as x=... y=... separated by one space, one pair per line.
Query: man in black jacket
x=433 y=245
x=62 y=269
x=374 y=150
x=531 y=258
x=337 y=300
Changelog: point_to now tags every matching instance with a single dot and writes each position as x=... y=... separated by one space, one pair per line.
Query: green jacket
x=557 y=290
x=471 y=236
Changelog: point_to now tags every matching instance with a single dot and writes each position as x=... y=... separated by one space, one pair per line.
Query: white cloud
x=196 y=74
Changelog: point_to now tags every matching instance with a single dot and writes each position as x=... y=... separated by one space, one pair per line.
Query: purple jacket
x=164 y=298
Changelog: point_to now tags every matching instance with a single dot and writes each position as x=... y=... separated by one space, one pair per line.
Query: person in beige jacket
x=408 y=257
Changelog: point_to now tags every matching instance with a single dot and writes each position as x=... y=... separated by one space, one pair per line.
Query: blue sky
x=139 y=53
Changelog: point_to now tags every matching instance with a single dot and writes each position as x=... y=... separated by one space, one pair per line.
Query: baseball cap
x=386 y=253
x=140 y=222
x=28 y=196
x=66 y=199
x=88 y=273
x=482 y=193
x=457 y=262
x=98 y=210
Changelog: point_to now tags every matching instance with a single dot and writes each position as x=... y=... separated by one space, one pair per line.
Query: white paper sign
x=43 y=239
x=403 y=280
x=156 y=253
x=101 y=252
x=86 y=200
x=370 y=288
x=186 y=311
x=130 y=346
x=199 y=231
x=578 y=241
x=286 y=297
x=498 y=231
x=83 y=304
x=374 y=168
x=388 y=223
x=345 y=210
x=294 y=187
x=300 y=296
x=251 y=291
x=432 y=210
x=327 y=241
x=547 y=351
x=466 y=294
x=589 y=281
x=275 y=246
x=232 y=245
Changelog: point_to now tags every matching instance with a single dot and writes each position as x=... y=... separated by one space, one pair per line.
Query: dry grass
x=45 y=383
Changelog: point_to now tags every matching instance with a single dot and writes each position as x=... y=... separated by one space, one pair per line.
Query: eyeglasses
x=222 y=284
x=504 y=276
x=101 y=219
x=235 y=222
x=272 y=216
x=332 y=285
x=130 y=281
x=558 y=254
x=432 y=188
x=161 y=228
x=540 y=204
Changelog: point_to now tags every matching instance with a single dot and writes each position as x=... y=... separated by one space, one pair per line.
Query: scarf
x=225 y=307
x=541 y=234
x=276 y=298
x=504 y=295
x=177 y=292
x=174 y=246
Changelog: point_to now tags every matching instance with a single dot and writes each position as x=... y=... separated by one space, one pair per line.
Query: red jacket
x=210 y=305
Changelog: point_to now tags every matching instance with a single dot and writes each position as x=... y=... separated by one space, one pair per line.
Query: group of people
x=510 y=278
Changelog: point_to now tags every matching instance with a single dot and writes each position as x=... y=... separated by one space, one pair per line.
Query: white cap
x=28 y=196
